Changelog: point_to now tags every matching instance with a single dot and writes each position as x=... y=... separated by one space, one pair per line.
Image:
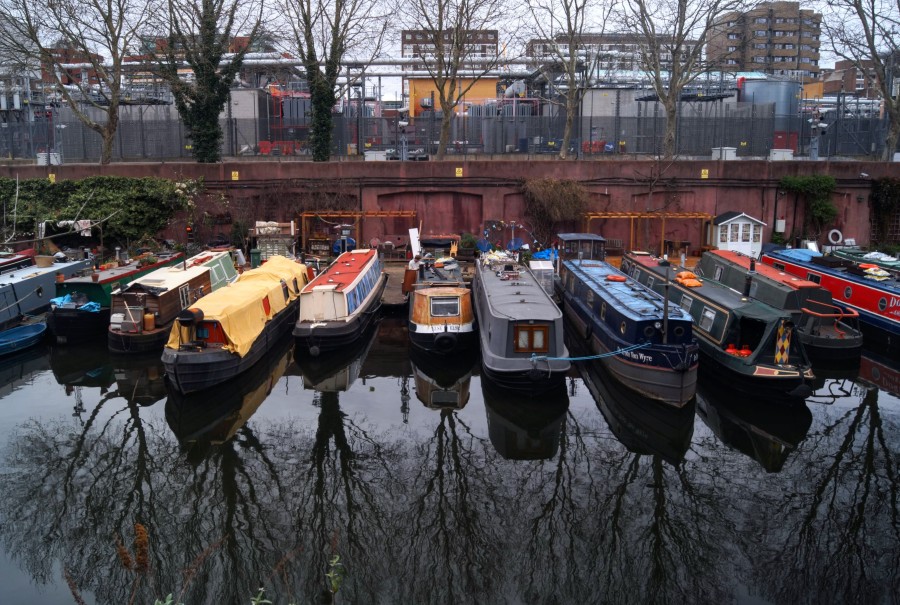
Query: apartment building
x=613 y=55
x=779 y=38
x=481 y=47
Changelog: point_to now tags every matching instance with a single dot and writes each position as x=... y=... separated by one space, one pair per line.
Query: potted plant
x=467 y=243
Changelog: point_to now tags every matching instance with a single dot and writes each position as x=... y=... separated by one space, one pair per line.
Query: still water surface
x=432 y=488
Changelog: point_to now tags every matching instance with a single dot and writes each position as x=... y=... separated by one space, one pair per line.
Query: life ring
x=835 y=236
x=613 y=277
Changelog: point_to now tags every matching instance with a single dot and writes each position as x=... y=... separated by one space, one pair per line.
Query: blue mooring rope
x=589 y=357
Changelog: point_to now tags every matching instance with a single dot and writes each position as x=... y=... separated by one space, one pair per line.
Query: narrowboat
x=142 y=312
x=872 y=292
x=520 y=328
x=27 y=290
x=10 y=261
x=743 y=342
x=644 y=341
x=830 y=334
x=226 y=332
x=441 y=318
x=340 y=303
x=81 y=309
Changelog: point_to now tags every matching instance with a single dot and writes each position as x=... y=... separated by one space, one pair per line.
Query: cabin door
x=742 y=235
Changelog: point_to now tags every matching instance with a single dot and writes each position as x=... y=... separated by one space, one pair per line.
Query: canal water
x=392 y=479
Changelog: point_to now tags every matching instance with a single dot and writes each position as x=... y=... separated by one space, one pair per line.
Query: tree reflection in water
x=430 y=512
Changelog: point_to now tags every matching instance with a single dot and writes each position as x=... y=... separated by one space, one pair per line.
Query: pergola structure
x=632 y=216
x=355 y=215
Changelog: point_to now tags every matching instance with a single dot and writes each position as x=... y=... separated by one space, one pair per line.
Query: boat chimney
x=747 y=281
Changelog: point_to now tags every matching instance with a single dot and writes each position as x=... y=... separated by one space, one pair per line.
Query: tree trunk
x=446 y=121
x=321 y=122
x=571 y=107
x=893 y=135
x=668 y=144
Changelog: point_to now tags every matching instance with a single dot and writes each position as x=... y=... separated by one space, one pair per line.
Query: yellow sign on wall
x=704 y=173
x=234 y=175
x=51 y=177
x=459 y=172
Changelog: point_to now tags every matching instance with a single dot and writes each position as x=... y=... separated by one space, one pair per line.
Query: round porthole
x=882 y=304
x=848 y=292
x=648 y=331
x=678 y=331
x=622 y=328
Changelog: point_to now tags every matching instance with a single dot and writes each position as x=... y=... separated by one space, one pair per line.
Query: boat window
x=184 y=295
x=778 y=266
x=571 y=283
x=445 y=306
x=814 y=278
x=882 y=304
x=589 y=298
x=707 y=318
x=686 y=302
x=848 y=292
x=531 y=339
x=603 y=311
x=718 y=276
x=650 y=281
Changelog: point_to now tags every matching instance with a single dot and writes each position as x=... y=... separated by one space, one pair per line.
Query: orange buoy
x=613 y=277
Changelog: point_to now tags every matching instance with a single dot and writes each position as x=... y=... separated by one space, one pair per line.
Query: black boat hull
x=73 y=326
x=138 y=343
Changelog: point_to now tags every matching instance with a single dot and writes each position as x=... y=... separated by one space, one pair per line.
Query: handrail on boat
x=839 y=314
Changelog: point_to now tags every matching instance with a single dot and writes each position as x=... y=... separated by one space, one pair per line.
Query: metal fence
x=751 y=131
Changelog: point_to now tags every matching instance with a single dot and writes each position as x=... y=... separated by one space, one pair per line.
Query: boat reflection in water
x=336 y=370
x=442 y=383
x=17 y=371
x=523 y=428
x=644 y=426
x=214 y=416
x=881 y=371
x=138 y=379
x=766 y=432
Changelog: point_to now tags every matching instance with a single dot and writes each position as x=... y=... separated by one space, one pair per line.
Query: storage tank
x=785 y=94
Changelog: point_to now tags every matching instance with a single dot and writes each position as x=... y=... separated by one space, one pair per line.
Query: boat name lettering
x=637 y=356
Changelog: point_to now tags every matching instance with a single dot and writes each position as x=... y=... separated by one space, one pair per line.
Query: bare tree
x=867 y=33
x=201 y=36
x=675 y=34
x=81 y=46
x=325 y=34
x=565 y=27
x=447 y=53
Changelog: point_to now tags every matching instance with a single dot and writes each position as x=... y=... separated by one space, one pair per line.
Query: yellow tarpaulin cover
x=239 y=307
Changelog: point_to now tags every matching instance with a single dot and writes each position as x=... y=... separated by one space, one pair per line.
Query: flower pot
x=95 y=277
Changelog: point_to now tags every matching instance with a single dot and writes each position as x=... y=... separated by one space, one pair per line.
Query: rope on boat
x=535 y=358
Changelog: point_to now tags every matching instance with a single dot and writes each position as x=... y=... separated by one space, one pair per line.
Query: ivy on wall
x=550 y=201
x=885 y=200
x=135 y=208
x=816 y=192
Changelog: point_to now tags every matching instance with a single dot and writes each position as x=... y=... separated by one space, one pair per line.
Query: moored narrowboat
x=873 y=292
x=644 y=341
x=441 y=318
x=80 y=312
x=28 y=289
x=143 y=311
x=829 y=333
x=340 y=303
x=745 y=343
x=520 y=328
x=226 y=332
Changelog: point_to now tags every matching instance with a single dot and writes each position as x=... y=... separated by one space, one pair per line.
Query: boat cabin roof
x=343 y=271
x=33 y=270
x=173 y=276
x=513 y=293
x=764 y=270
x=631 y=298
x=116 y=273
x=439 y=291
x=714 y=292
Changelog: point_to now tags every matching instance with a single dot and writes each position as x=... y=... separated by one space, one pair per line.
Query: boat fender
x=619 y=278
x=445 y=341
x=835 y=236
